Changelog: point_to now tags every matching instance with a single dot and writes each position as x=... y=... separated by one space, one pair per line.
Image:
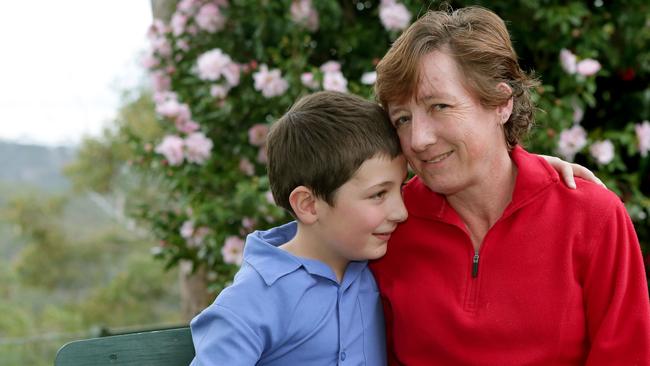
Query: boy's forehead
x=380 y=167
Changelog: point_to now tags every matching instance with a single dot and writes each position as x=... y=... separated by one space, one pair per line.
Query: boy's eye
x=378 y=195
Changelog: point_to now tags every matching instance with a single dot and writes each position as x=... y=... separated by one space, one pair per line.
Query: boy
x=304 y=295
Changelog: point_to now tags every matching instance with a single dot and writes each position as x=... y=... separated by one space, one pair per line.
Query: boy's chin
x=378 y=252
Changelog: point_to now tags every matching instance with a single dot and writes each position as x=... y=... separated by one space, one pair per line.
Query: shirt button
x=343 y=355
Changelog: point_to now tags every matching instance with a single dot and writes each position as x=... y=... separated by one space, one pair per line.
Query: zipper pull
x=475 y=265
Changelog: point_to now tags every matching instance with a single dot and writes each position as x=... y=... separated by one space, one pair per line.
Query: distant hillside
x=34 y=165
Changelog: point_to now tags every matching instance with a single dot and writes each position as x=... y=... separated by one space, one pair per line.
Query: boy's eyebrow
x=381 y=184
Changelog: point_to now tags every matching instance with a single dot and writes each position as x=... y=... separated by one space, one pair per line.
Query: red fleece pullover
x=558 y=280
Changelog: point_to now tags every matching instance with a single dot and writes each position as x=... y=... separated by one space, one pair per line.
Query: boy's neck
x=306 y=244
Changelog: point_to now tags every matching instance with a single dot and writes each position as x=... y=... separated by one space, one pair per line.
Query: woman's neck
x=481 y=205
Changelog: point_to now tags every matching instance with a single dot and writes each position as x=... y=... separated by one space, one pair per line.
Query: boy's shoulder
x=271 y=280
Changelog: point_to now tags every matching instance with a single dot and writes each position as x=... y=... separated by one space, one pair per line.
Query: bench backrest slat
x=160 y=348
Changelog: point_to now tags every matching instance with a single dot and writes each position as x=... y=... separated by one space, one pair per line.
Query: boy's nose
x=398 y=212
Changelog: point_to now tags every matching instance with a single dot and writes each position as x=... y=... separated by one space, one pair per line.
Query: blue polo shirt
x=285 y=310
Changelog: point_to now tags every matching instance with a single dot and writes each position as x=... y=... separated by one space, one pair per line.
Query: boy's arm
x=221 y=337
x=569 y=170
x=616 y=293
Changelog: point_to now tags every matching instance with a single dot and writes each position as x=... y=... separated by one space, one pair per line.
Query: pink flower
x=171 y=148
x=163 y=96
x=193 y=237
x=180 y=113
x=335 y=81
x=161 y=46
x=248 y=223
x=303 y=13
x=369 y=78
x=178 y=23
x=157 y=29
x=149 y=61
x=246 y=167
x=572 y=141
x=171 y=108
x=187 y=229
x=210 y=18
x=186 y=125
x=588 y=67
x=269 y=197
x=183 y=45
x=198 y=148
x=187 y=6
x=308 y=80
x=643 y=135
x=568 y=61
x=219 y=91
x=602 y=151
x=233 y=250
x=578 y=112
x=199 y=236
x=231 y=73
x=394 y=16
x=160 y=81
x=270 y=82
x=257 y=134
x=330 y=66
x=212 y=64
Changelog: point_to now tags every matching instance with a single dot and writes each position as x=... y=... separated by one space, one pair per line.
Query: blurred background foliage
x=72 y=266
x=219 y=80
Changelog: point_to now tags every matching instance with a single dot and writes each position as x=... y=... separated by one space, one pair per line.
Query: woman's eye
x=399 y=121
x=440 y=106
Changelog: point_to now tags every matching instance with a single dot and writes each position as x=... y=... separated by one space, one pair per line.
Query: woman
x=498 y=262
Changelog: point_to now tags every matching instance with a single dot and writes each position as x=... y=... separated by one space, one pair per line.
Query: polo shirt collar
x=262 y=253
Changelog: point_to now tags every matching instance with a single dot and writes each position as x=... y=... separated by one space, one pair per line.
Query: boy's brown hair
x=479 y=42
x=322 y=141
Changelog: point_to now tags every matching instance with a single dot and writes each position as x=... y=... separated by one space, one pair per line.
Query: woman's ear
x=303 y=203
x=504 y=110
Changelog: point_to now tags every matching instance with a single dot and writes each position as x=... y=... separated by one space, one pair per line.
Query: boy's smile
x=366 y=210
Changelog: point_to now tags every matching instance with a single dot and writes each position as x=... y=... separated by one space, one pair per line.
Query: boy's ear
x=505 y=110
x=303 y=203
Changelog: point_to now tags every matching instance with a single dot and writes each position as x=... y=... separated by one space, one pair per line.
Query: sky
x=64 y=63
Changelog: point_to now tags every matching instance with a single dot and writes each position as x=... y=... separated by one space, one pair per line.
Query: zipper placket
x=475 y=264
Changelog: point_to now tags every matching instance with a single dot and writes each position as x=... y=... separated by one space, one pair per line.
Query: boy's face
x=366 y=210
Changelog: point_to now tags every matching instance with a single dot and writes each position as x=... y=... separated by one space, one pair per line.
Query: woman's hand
x=569 y=170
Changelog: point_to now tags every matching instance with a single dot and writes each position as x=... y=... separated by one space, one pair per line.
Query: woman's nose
x=423 y=133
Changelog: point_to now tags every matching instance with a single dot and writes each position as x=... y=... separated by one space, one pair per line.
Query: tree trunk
x=163 y=9
x=194 y=290
x=193 y=286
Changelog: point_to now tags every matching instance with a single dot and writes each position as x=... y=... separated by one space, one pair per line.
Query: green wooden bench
x=170 y=347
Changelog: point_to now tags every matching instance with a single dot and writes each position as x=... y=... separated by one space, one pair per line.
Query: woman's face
x=450 y=140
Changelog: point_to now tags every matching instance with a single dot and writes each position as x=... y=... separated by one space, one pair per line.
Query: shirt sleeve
x=616 y=294
x=221 y=337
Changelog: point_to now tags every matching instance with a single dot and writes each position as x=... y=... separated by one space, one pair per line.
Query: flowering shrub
x=223 y=71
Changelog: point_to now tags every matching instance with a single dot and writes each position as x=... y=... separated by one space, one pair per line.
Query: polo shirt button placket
x=342 y=355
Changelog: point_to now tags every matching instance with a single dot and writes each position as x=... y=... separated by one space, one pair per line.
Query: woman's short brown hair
x=322 y=141
x=479 y=42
